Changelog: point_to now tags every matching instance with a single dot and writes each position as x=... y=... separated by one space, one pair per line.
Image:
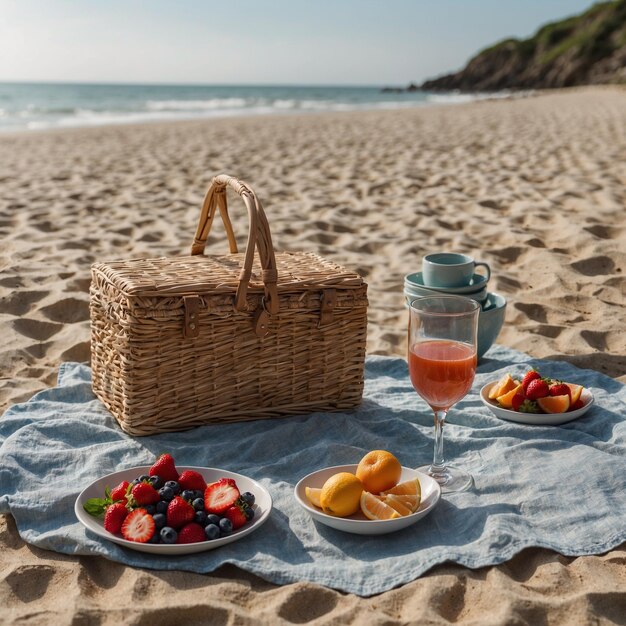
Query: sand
x=535 y=187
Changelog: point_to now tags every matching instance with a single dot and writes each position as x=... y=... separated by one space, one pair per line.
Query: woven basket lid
x=167 y=276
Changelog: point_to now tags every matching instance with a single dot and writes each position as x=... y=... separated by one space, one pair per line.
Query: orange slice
x=504 y=385
x=376 y=509
x=397 y=504
x=313 y=494
x=410 y=503
x=554 y=404
x=575 y=390
x=407 y=488
x=409 y=493
x=506 y=400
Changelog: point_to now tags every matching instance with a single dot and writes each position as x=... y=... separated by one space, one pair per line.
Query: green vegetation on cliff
x=585 y=49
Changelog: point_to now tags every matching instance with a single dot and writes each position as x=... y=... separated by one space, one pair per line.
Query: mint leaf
x=95 y=506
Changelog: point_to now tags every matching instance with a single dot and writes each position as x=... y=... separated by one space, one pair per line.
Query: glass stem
x=439 y=464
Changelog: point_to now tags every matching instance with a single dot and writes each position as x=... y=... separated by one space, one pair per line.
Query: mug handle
x=485 y=266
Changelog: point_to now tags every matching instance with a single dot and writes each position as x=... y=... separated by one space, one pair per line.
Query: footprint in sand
x=21 y=302
x=35 y=329
x=67 y=311
x=594 y=266
x=601 y=231
x=30 y=582
x=313 y=604
x=595 y=339
x=535 y=312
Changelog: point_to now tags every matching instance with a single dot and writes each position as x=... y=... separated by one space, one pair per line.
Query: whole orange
x=379 y=470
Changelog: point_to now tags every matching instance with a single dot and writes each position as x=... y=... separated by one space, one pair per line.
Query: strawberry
x=143 y=493
x=236 y=515
x=164 y=468
x=192 y=481
x=537 y=388
x=220 y=495
x=191 y=533
x=560 y=389
x=179 y=513
x=120 y=492
x=579 y=404
x=529 y=377
x=138 y=526
x=517 y=400
x=114 y=517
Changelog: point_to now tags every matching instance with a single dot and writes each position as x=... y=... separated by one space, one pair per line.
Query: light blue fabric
x=562 y=488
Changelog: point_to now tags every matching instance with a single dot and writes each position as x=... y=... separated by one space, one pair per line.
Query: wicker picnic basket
x=179 y=342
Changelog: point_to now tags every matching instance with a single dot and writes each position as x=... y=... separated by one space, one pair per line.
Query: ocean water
x=33 y=106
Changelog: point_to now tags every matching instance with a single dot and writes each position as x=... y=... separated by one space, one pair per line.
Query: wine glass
x=442 y=364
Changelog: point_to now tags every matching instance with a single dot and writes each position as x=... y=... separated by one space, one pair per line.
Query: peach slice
x=504 y=385
x=506 y=400
x=554 y=404
x=575 y=390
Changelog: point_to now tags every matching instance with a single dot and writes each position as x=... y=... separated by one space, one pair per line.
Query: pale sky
x=346 y=42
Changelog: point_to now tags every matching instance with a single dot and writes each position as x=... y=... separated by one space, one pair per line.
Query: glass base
x=451 y=479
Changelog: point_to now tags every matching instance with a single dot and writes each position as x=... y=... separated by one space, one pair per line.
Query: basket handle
x=259 y=236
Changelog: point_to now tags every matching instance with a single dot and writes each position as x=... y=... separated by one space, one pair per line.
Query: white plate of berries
x=164 y=509
x=536 y=399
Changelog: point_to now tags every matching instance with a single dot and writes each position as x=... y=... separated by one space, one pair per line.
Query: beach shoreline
x=534 y=186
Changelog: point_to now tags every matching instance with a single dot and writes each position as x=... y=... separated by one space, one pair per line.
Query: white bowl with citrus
x=375 y=497
x=537 y=400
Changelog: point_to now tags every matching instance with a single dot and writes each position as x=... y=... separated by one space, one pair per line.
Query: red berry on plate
x=579 y=404
x=560 y=389
x=119 y=493
x=220 y=495
x=236 y=515
x=138 y=526
x=537 y=388
x=191 y=480
x=114 y=517
x=165 y=468
x=179 y=513
x=143 y=493
x=517 y=400
x=529 y=377
x=191 y=533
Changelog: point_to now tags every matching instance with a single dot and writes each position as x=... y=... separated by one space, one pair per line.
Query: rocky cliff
x=586 y=49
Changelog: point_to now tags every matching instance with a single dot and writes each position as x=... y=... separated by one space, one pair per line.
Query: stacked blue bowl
x=492 y=305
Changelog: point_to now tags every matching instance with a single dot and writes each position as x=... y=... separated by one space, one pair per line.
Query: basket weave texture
x=180 y=342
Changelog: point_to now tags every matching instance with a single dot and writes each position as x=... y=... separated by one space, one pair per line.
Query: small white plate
x=358 y=523
x=262 y=508
x=536 y=419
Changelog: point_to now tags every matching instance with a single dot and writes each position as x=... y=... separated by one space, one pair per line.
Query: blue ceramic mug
x=449 y=269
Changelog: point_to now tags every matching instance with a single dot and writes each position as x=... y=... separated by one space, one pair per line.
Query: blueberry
x=248 y=511
x=198 y=494
x=161 y=506
x=213 y=519
x=144 y=477
x=187 y=495
x=226 y=526
x=166 y=493
x=200 y=518
x=136 y=481
x=248 y=498
x=198 y=504
x=173 y=485
x=156 y=482
x=150 y=508
x=168 y=535
x=211 y=531
x=159 y=520
x=155 y=538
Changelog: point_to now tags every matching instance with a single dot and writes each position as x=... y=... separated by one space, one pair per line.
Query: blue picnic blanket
x=562 y=488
